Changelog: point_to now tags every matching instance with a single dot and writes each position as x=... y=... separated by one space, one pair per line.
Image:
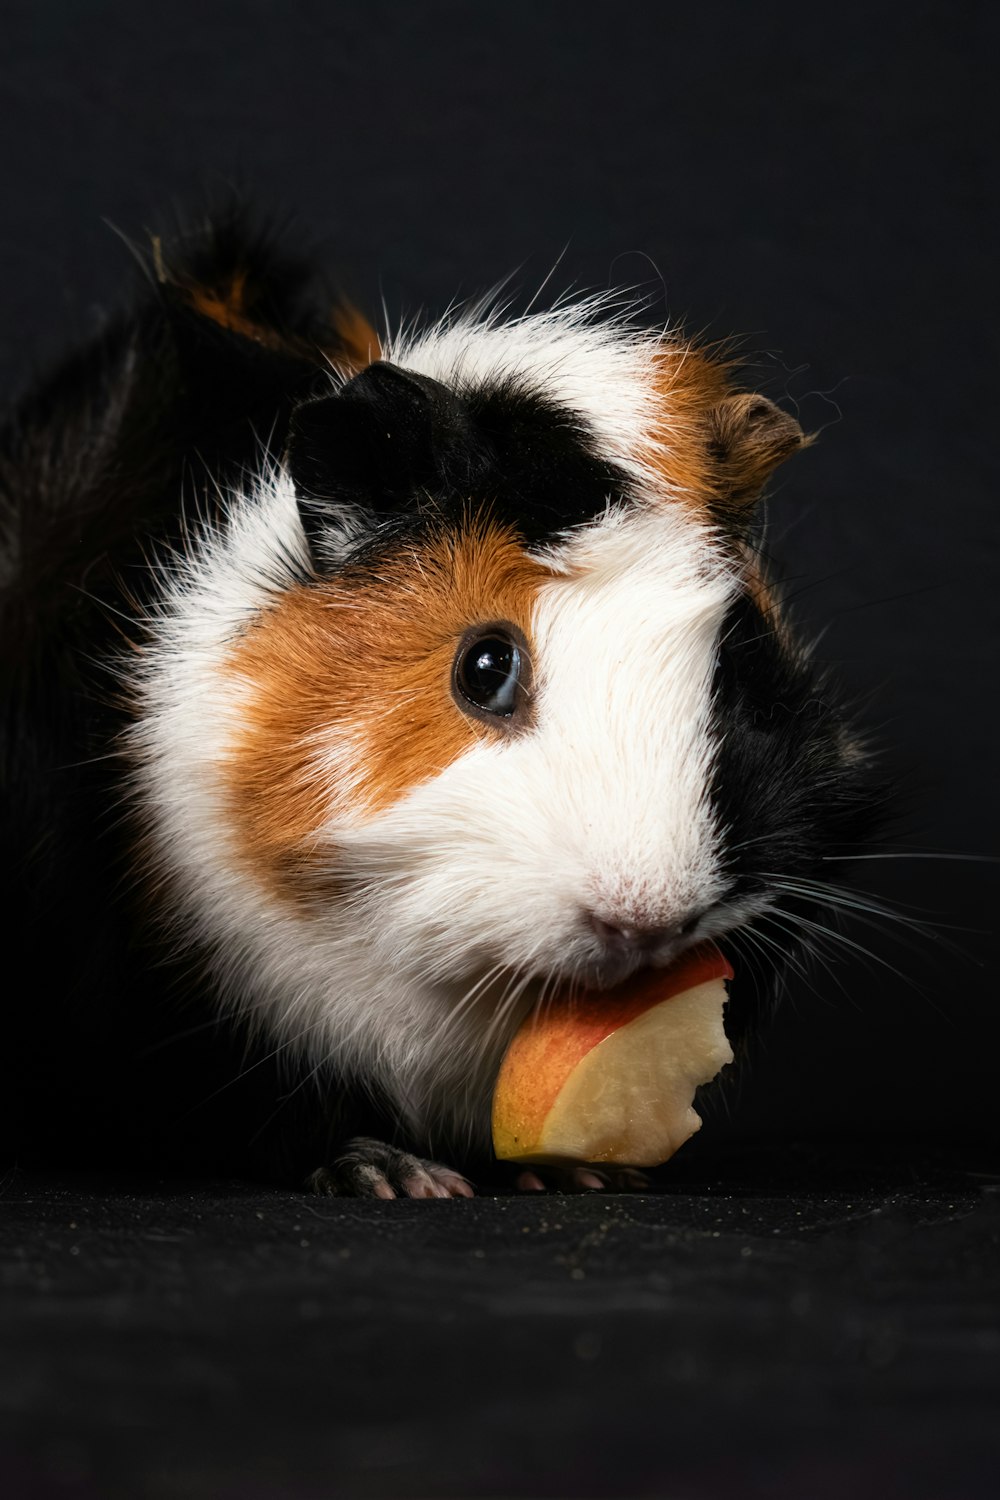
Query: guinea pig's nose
x=640 y=936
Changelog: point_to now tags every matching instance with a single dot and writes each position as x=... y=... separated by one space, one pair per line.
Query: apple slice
x=609 y=1076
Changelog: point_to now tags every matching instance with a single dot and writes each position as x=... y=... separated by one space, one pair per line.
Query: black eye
x=490 y=673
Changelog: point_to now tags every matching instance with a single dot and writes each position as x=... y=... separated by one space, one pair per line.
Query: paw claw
x=530 y=1182
x=633 y=1178
x=370 y=1169
x=582 y=1179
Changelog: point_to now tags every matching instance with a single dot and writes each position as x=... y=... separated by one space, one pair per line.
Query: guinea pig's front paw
x=370 y=1169
x=569 y=1179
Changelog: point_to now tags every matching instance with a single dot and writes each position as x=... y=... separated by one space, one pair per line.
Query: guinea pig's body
x=364 y=696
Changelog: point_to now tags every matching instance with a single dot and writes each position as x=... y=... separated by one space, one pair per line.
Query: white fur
x=470 y=895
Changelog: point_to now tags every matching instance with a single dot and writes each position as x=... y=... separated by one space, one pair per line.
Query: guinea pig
x=363 y=694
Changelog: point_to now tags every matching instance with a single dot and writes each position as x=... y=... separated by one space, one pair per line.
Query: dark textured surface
x=798 y=1326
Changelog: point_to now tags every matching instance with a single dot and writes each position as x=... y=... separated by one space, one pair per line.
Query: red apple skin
x=551 y=1043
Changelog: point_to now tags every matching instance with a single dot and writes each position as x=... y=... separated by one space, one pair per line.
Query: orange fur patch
x=689 y=386
x=713 y=456
x=226 y=305
x=229 y=305
x=349 y=703
x=716 y=447
x=358 y=343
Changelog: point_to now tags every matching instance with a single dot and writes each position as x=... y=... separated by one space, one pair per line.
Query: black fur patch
x=788 y=788
x=785 y=790
x=395 y=444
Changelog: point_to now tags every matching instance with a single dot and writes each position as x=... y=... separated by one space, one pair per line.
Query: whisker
x=840 y=937
x=451 y=1018
x=789 y=959
x=988 y=859
x=815 y=954
x=508 y=1003
x=866 y=910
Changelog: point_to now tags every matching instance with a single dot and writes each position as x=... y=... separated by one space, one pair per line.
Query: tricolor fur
x=316 y=835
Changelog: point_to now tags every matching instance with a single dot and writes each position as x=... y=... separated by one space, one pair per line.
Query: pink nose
x=640 y=936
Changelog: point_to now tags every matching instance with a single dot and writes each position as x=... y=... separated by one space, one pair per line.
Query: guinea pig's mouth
x=641 y=980
x=505 y=997
x=618 y=973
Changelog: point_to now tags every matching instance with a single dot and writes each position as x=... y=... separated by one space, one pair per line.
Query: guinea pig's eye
x=491 y=672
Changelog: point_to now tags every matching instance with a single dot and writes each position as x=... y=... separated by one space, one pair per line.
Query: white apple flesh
x=612 y=1079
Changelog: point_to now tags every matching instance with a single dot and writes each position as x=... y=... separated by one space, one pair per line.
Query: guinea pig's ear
x=377 y=444
x=748 y=438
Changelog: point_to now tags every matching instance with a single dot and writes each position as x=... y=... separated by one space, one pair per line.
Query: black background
x=778 y=1319
x=817 y=181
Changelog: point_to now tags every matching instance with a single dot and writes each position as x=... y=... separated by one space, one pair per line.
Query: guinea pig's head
x=534 y=716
